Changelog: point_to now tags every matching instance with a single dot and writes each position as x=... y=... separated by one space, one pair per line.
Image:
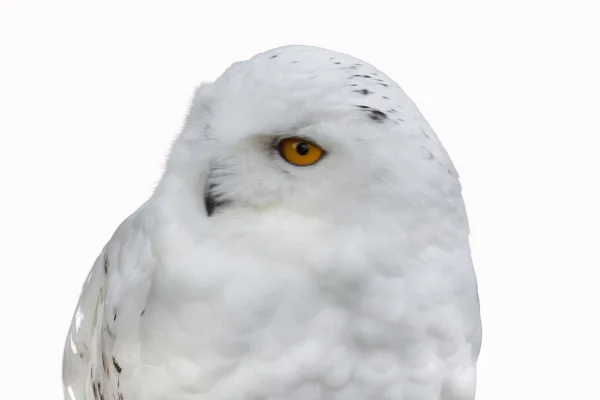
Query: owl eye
x=300 y=152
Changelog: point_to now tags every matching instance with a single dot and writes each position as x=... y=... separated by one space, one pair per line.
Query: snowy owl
x=307 y=240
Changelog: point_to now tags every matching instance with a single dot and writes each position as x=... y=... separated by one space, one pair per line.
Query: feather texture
x=349 y=279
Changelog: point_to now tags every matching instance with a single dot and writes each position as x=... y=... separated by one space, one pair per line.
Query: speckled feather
x=350 y=279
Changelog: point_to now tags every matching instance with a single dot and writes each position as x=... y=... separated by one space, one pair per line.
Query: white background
x=93 y=93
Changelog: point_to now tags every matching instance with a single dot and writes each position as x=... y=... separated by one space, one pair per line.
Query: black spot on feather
x=377 y=115
x=116 y=365
x=429 y=154
x=374 y=113
x=97 y=389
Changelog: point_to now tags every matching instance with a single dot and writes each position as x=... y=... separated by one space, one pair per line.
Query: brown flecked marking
x=97 y=389
x=117 y=366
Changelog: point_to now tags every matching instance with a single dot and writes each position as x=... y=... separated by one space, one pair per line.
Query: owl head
x=312 y=133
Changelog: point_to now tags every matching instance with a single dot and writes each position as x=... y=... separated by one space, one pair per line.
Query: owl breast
x=241 y=320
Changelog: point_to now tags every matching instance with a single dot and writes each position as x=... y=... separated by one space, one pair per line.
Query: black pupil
x=302 y=148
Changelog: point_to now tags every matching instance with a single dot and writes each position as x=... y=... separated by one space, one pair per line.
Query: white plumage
x=245 y=277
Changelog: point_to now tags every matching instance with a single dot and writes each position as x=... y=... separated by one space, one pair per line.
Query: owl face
x=314 y=132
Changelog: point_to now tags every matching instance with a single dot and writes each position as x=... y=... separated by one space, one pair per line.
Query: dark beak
x=213 y=198
x=210 y=200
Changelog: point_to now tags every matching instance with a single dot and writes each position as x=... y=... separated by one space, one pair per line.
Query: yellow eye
x=300 y=152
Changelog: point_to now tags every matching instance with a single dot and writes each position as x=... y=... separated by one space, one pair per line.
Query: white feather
x=349 y=279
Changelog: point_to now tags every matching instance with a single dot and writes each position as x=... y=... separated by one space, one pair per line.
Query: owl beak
x=210 y=201
x=213 y=198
